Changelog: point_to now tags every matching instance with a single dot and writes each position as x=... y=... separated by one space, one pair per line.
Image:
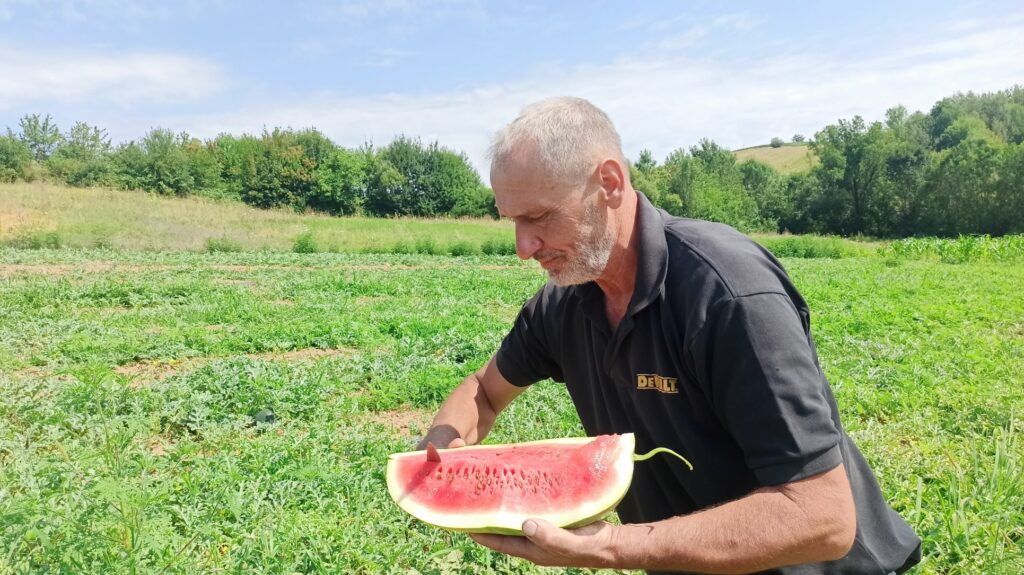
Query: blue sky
x=668 y=73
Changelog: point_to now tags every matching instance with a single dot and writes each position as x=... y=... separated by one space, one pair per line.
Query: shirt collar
x=651 y=264
x=652 y=255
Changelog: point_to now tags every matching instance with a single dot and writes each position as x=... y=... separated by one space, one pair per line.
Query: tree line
x=956 y=169
x=301 y=169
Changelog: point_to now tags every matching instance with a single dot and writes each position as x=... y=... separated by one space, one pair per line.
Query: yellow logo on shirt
x=659 y=382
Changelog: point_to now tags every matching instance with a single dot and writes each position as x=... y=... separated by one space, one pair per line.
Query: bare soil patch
x=402 y=421
x=8 y=270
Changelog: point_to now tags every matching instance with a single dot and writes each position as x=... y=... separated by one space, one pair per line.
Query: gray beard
x=593 y=248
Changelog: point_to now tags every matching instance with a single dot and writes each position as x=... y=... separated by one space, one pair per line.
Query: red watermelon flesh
x=495 y=488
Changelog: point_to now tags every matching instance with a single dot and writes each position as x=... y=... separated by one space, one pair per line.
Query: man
x=691 y=336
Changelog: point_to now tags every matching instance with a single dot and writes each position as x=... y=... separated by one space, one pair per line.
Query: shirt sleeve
x=755 y=362
x=525 y=356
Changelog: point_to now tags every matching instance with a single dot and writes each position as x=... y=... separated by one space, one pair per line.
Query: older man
x=637 y=296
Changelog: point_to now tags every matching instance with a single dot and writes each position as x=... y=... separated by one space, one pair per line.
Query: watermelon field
x=195 y=413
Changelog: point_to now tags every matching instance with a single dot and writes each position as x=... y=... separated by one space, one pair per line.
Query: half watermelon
x=494 y=488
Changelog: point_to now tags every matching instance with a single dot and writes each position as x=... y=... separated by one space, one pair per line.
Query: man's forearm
x=466 y=414
x=765 y=529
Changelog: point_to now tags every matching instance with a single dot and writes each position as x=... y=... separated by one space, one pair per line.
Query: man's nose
x=527 y=243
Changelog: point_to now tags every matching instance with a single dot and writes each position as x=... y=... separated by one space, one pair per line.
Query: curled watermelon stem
x=658 y=450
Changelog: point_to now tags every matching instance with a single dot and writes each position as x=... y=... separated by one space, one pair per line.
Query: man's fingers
x=550 y=538
x=509 y=545
x=457 y=442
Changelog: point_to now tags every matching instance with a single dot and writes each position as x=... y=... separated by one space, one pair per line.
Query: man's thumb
x=546 y=536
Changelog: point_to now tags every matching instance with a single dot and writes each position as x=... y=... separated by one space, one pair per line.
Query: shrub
x=462 y=248
x=214 y=245
x=305 y=244
x=777 y=142
x=427 y=246
x=809 y=247
x=36 y=240
x=402 y=247
x=496 y=247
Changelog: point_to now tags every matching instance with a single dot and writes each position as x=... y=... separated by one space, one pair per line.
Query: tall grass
x=959 y=250
x=40 y=214
x=785 y=246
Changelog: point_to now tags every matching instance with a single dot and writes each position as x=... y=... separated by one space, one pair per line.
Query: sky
x=455 y=71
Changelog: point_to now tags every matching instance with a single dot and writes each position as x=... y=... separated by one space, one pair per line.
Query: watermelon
x=494 y=488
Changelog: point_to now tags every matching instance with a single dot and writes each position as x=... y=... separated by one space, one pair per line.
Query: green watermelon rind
x=586 y=513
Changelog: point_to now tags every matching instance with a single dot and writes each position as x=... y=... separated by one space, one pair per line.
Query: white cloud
x=672 y=102
x=31 y=78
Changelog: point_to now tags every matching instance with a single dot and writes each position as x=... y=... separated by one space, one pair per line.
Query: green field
x=787 y=159
x=130 y=381
x=94 y=217
x=41 y=215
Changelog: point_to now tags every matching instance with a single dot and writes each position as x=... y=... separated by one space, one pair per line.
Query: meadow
x=189 y=412
x=41 y=214
x=788 y=159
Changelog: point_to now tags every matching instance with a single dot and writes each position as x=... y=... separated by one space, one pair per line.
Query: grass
x=789 y=246
x=129 y=441
x=787 y=159
x=44 y=215
x=960 y=250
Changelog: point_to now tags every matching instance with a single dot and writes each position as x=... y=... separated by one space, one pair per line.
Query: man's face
x=562 y=226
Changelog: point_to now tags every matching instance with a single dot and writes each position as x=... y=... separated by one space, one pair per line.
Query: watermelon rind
x=510 y=523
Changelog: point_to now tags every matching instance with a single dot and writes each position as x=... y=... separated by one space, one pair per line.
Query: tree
x=710 y=186
x=83 y=157
x=382 y=184
x=798 y=138
x=158 y=163
x=430 y=180
x=1009 y=209
x=852 y=177
x=777 y=142
x=40 y=134
x=340 y=183
x=15 y=159
x=645 y=163
x=765 y=186
x=961 y=191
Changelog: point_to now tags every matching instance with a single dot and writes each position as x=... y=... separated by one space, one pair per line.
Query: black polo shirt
x=714 y=359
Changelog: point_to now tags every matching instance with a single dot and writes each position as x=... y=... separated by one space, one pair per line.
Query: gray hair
x=568 y=135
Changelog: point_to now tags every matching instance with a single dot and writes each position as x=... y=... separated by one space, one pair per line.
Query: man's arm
x=804 y=521
x=468 y=414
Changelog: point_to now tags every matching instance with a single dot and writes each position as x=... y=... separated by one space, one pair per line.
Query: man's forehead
x=527 y=193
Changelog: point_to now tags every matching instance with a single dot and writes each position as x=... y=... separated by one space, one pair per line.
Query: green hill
x=787 y=159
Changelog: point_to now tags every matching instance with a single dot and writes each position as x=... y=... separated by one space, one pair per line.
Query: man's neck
x=619 y=277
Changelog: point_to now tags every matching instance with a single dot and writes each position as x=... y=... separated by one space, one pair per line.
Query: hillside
x=788 y=159
x=89 y=217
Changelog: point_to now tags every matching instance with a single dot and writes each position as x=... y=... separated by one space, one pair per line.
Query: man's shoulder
x=717 y=257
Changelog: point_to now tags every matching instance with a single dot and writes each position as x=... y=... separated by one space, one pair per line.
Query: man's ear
x=613 y=182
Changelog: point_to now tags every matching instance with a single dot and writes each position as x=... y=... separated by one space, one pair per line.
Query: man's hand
x=443 y=437
x=550 y=546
